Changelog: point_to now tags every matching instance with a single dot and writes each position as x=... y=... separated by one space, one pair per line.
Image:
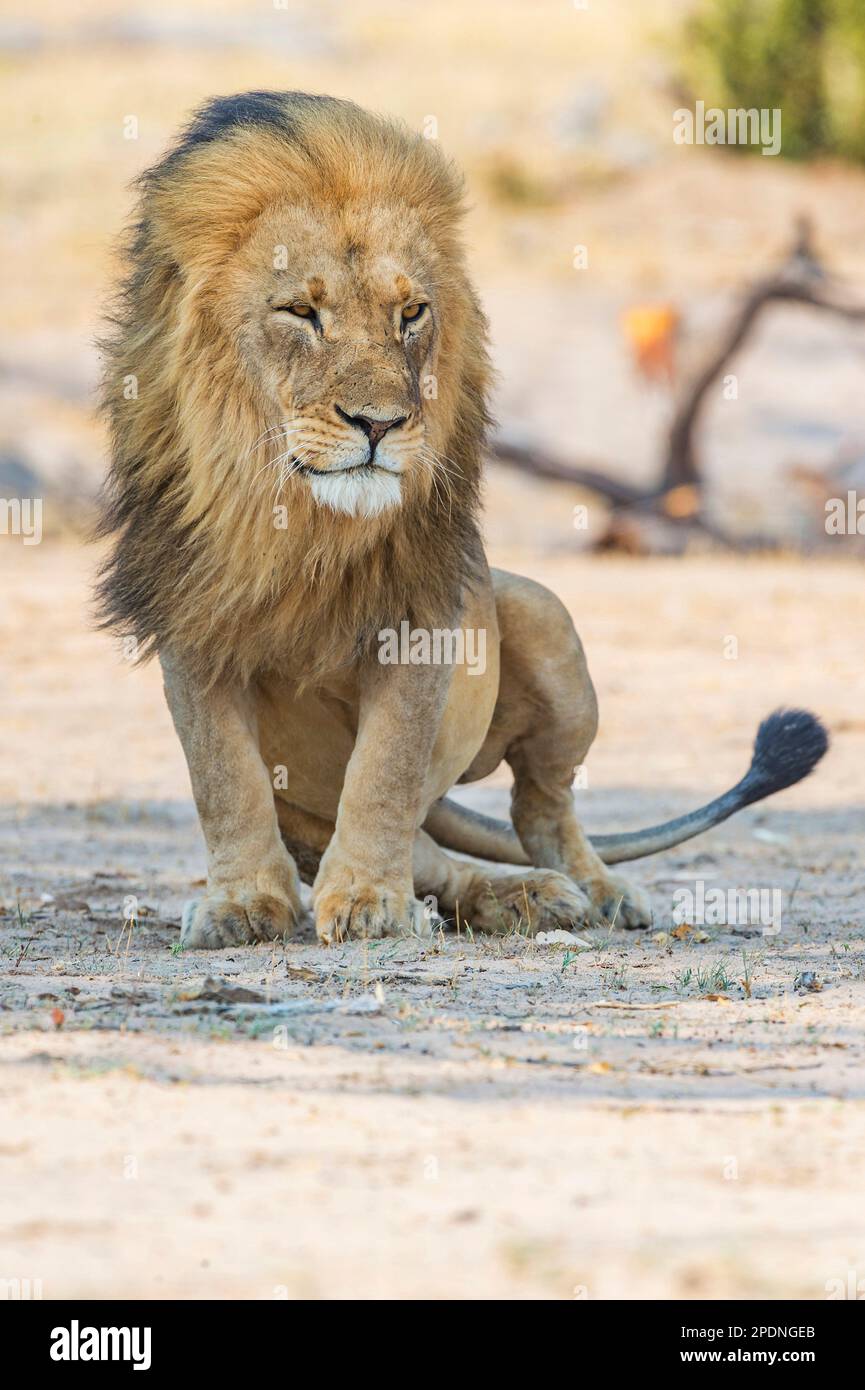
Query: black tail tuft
x=789 y=745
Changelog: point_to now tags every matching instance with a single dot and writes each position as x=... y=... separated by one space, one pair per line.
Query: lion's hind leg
x=495 y=899
x=547 y=686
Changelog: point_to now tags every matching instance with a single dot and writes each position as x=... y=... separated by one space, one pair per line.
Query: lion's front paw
x=236 y=919
x=617 y=902
x=357 y=909
x=541 y=900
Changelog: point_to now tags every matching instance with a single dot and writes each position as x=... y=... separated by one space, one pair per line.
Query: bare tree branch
x=800 y=279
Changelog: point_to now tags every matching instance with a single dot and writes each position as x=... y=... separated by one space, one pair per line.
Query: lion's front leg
x=253 y=889
x=364 y=885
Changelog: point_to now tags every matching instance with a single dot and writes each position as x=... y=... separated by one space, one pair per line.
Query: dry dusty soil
x=669 y=1113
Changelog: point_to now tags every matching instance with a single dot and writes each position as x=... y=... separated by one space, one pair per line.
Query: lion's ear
x=200 y=206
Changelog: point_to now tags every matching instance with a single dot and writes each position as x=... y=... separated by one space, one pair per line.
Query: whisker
x=439 y=474
x=443 y=461
x=439 y=462
x=272 y=462
x=438 y=479
x=273 y=430
x=286 y=472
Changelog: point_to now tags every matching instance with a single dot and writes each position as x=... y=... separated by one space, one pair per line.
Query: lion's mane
x=196 y=563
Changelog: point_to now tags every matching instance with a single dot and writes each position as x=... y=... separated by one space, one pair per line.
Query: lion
x=296 y=384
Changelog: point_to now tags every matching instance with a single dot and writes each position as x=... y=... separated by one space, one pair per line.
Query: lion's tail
x=788 y=745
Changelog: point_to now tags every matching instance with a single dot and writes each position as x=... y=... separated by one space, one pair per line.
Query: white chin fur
x=357 y=492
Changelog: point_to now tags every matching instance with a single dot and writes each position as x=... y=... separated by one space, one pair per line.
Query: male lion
x=296 y=385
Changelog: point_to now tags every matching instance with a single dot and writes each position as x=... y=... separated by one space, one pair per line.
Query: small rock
x=214 y=991
x=808 y=980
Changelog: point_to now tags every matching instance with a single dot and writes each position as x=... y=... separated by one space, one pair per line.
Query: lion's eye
x=298 y=308
x=412 y=312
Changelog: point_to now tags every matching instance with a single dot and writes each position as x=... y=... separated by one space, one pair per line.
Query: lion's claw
x=368 y=911
x=217 y=921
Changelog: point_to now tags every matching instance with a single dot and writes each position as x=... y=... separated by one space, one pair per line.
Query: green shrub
x=805 y=57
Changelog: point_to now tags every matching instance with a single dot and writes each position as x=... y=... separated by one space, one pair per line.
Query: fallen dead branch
x=676 y=498
x=617 y=1004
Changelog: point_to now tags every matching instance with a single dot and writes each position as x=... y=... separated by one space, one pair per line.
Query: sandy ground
x=646 y=1115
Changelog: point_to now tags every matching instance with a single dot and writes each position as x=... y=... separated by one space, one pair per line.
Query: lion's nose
x=372 y=428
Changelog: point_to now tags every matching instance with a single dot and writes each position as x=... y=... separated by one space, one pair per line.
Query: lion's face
x=342 y=342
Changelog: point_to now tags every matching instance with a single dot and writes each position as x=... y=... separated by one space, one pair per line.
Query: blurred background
x=611 y=260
